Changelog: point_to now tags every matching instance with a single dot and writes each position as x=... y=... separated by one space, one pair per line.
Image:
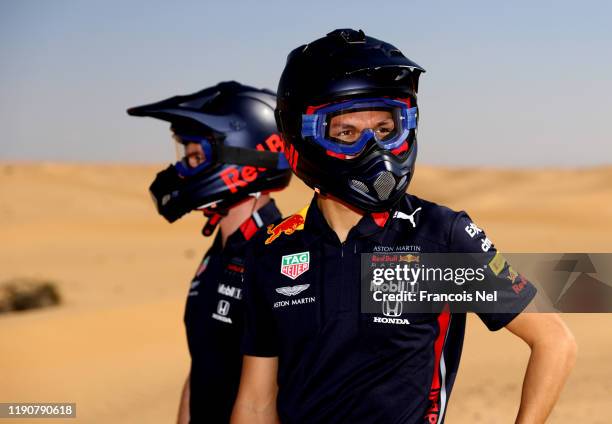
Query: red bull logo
x=410 y=258
x=512 y=274
x=235 y=177
x=520 y=285
x=288 y=226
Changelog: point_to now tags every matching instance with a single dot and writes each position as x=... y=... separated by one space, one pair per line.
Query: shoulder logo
x=194 y=286
x=292 y=290
x=294 y=265
x=203 y=266
x=402 y=215
x=497 y=263
x=472 y=230
x=288 y=226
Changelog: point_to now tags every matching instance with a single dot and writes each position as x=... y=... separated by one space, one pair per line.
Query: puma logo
x=402 y=215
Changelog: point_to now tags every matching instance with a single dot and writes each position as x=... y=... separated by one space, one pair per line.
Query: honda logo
x=392 y=309
x=223 y=307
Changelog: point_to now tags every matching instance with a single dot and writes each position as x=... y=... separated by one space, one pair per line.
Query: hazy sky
x=507 y=83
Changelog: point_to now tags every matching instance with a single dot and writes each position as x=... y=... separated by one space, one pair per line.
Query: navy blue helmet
x=228 y=149
x=324 y=86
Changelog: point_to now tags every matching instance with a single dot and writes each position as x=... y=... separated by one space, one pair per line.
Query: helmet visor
x=193 y=154
x=347 y=127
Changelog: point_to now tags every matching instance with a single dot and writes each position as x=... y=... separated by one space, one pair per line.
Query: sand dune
x=116 y=346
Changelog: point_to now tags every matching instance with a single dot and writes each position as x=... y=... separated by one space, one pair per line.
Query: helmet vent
x=384 y=184
x=359 y=186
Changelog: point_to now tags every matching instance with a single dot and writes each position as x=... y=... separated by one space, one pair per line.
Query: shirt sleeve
x=259 y=336
x=514 y=292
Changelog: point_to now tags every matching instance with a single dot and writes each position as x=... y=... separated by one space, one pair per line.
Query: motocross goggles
x=193 y=154
x=347 y=127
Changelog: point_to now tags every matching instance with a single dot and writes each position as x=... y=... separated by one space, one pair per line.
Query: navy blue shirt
x=214 y=322
x=336 y=364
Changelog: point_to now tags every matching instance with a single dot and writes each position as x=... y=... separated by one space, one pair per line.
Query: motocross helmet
x=347 y=112
x=228 y=149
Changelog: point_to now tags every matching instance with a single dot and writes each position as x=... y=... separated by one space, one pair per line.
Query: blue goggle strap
x=235 y=155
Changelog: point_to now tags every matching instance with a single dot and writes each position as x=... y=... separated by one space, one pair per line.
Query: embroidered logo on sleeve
x=497 y=263
x=203 y=266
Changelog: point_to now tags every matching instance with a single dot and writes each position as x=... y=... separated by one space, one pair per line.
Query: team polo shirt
x=335 y=364
x=214 y=322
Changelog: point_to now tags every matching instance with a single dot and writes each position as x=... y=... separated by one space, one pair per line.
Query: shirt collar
x=370 y=225
x=263 y=216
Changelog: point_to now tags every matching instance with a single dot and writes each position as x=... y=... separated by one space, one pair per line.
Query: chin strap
x=214 y=217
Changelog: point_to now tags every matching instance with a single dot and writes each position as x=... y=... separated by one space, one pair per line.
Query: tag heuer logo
x=295 y=265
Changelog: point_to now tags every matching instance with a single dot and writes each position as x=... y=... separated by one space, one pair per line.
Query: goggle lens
x=349 y=126
x=193 y=154
x=346 y=128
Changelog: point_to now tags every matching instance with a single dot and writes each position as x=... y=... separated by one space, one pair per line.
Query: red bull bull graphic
x=410 y=258
x=288 y=226
x=512 y=274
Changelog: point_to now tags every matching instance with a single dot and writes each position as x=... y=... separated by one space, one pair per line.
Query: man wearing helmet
x=229 y=159
x=347 y=111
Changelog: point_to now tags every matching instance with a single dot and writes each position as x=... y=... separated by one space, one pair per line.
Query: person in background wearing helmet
x=347 y=112
x=229 y=159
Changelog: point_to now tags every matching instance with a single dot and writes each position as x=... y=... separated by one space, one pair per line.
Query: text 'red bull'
x=235 y=177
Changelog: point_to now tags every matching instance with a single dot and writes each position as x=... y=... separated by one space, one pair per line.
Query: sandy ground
x=116 y=345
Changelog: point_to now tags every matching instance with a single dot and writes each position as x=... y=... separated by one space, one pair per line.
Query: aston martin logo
x=292 y=290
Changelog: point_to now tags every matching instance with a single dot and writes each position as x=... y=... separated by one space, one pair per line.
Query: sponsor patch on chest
x=229 y=291
x=300 y=301
x=386 y=320
x=294 y=265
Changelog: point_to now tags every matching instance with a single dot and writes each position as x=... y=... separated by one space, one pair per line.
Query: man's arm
x=553 y=353
x=183 y=413
x=256 y=400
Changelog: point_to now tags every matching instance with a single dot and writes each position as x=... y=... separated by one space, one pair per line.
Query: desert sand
x=116 y=344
